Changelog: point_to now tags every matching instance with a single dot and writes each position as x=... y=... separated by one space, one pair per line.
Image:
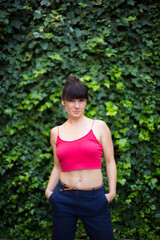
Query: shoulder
x=102 y=125
x=102 y=128
x=54 y=134
x=54 y=131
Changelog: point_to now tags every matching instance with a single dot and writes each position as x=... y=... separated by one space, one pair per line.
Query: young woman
x=75 y=187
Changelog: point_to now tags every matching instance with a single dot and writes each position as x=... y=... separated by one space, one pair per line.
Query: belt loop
x=62 y=187
x=65 y=187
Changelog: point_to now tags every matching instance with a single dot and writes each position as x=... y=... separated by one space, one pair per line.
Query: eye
x=82 y=100
x=70 y=100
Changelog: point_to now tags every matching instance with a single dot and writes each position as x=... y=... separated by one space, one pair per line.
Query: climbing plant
x=114 y=48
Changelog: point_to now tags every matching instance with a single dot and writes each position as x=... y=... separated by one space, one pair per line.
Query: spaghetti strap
x=58 y=131
x=93 y=124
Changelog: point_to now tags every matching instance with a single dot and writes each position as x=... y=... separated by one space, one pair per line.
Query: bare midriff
x=81 y=179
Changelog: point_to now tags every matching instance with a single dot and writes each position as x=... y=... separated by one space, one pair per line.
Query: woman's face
x=74 y=107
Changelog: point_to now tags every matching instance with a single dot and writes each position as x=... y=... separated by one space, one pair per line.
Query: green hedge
x=114 y=48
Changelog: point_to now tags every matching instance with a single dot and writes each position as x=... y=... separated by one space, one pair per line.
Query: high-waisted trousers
x=91 y=206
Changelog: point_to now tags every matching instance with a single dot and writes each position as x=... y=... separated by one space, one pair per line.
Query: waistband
x=66 y=187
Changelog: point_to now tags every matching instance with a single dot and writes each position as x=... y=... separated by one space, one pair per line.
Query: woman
x=75 y=187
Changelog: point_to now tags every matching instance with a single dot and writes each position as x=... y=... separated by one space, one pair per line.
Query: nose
x=77 y=104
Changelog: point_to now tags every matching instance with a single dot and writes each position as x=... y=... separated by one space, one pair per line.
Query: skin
x=74 y=128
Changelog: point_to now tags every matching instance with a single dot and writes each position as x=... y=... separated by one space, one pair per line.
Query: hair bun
x=74 y=89
x=71 y=80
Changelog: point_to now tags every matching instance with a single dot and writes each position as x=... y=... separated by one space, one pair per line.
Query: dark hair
x=74 y=89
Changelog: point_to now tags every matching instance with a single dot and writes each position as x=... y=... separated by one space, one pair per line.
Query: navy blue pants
x=90 y=205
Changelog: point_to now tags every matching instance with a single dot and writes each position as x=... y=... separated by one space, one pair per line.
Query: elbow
x=46 y=193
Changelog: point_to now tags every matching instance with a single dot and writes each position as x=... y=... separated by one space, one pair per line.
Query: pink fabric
x=83 y=153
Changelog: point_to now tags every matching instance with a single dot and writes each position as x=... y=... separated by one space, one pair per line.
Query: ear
x=63 y=103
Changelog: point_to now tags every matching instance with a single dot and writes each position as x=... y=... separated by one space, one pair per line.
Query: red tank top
x=83 y=153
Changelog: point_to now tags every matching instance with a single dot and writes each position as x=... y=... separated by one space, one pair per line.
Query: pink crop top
x=83 y=153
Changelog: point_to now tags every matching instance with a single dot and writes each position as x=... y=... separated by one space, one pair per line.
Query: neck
x=76 y=121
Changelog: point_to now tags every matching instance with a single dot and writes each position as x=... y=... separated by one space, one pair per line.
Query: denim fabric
x=89 y=205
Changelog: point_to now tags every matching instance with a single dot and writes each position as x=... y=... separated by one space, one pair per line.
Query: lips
x=76 y=112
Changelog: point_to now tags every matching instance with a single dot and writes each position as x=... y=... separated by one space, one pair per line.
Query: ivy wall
x=114 y=48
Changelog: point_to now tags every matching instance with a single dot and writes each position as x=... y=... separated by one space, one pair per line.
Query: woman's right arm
x=54 y=177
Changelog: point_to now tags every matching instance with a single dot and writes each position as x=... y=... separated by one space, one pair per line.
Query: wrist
x=112 y=194
x=48 y=193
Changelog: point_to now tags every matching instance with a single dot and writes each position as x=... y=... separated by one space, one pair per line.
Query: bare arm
x=54 y=177
x=111 y=168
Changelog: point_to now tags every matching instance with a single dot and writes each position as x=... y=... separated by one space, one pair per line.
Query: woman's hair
x=74 y=89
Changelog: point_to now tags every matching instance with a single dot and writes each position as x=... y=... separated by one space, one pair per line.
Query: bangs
x=76 y=92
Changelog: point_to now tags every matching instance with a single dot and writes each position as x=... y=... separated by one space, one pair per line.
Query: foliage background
x=114 y=48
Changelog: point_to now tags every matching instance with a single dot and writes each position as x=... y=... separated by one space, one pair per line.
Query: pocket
x=105 y=199
x=51 y=197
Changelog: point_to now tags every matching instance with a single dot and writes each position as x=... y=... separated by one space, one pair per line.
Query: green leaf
x=121 y=181
x=144 y=135
x=55 y=56
x=111 y=108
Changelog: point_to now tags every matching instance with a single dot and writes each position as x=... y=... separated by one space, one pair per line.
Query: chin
x=77 y=114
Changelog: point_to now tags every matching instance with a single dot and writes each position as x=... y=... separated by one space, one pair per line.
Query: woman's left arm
x=108 y=152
